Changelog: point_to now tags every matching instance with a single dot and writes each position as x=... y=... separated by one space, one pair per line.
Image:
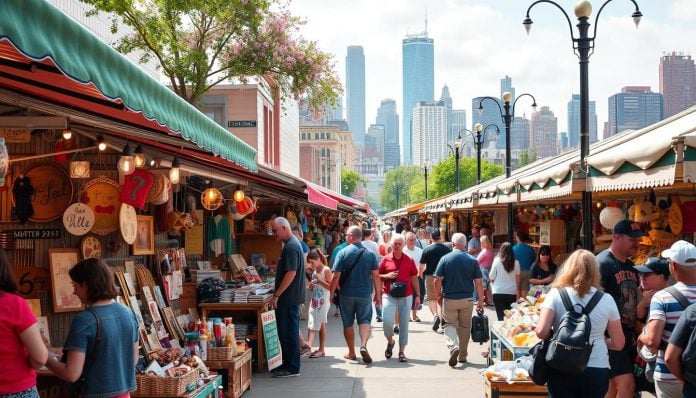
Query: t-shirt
x=458 y=270
x=620 y=280
x=336 y=250
x=603 y=312
x=525 y=255
x=305 y=247
x=407 y=270
x=431 y=256
x=371 y=246
x=504 y=282
x=416 y=254
x=539 y=273
x=474 y=244
x=112 y=371
x=359 y=281
x=291 y=259
x=15 y=318
x=485 y=258
x=664 y=307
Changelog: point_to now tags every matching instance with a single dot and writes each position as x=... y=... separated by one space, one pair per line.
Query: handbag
x=344 y=275
x=538 y=370
x=479 y=328
x=76 y=389
x=397 y=289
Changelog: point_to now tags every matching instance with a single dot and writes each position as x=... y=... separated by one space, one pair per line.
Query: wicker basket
x=149 y=386
x=221 y=353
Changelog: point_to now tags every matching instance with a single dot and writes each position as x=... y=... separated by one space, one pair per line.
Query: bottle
x=203 y=342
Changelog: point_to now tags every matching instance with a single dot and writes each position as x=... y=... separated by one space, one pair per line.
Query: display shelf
x=499 y=344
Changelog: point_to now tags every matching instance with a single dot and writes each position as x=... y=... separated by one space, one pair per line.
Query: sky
x=478 y=42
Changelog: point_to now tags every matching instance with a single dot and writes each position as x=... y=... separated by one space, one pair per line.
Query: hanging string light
x=101 y=144
x=139 y=156
x=211 y=198
x=126 y=164
x=238 y=195
x=175 y=171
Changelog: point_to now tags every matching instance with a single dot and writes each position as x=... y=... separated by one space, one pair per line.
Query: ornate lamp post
x=583 y=46
x=425 y=168
x=508 y=114
x=455 y=149
x=479 y=138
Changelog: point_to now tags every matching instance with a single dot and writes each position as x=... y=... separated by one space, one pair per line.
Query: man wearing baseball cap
x=620 y=280
x=665 y=308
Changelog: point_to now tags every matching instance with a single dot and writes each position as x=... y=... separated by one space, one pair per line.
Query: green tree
x=350 y=180
x=526 y=157
x=201 y=43
x=400 y=188
x=443 y=176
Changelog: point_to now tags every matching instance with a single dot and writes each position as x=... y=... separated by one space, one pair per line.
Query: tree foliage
x=350 y=180
x=201 y=43
x=443 y=175
x=400 y=187
x=526 y=157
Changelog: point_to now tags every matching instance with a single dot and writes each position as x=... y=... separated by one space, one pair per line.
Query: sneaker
x=436 y=323
x=284 y=373
x=454 y=354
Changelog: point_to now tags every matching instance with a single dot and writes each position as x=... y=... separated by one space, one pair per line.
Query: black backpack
x=569 y=348
x=479 y=328
x=688 y=358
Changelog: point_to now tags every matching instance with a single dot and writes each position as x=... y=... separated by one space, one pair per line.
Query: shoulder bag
x=397 y=289
x=344 y=275
x=76 y=389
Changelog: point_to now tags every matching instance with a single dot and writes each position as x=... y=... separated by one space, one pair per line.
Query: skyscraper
x=490 y=115
x=543 y=133
x=519 y=133
x=429 y=132
x=633 y=108
x=418 y=85
x=677 y=82
x=355 y=93
x=387 y=117
x=457 y=122
x=506 y=85
x=574 y=121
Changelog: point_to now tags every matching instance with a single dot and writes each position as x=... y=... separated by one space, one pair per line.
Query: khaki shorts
x=430 y=292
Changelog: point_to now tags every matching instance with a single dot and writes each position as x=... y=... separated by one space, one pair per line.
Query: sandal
x=317 y=354
x=402 y=357
x=350 y=357
x=416 y=319
x=305 y=350
x=388 y=351
x=365 y=355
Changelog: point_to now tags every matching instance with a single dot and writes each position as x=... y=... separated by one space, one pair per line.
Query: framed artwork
x=60 y=262
x=145 y=236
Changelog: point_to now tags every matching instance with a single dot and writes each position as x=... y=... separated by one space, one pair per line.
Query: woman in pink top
x=485 y=260
x=22 y=349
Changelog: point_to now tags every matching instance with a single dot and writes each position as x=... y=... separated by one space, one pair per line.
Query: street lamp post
x=583 y=46
x=479 y=138
x=455 y=150
x=425 y=174
x=507 y=115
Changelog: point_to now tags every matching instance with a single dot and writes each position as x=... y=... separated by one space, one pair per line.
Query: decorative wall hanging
x=53 y=191
x=136 y=187
x=78 y=219
x=80 y=169
x=159 y=193
x=128 y=221
x=145 y=236
x=4 y=161
x=60 y=261
x=91 y=247
x=102 y=195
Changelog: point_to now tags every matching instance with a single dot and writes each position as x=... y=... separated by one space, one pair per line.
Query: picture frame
x=91 y=247
x=60 y=261
x=145 y=236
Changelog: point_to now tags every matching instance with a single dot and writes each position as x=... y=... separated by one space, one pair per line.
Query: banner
x=274 y=354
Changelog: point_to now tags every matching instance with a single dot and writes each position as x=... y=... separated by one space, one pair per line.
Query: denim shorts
x=353 y=308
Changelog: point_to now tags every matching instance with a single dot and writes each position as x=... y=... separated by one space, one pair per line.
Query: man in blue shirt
x=289 y=295
x=360 y=282
x=526 y=255
x=456 y=276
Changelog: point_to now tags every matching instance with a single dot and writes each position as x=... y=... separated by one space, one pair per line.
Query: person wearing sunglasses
x=543 y=270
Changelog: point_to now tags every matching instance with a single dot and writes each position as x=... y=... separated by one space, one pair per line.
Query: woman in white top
x=579 y=276
x=320 y=302
x=505 y=278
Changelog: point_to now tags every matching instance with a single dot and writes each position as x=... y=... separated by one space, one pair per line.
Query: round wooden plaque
x=54 y=191
x=102 y=195
x=78 y=219
x=128 y=220
x=91 y=247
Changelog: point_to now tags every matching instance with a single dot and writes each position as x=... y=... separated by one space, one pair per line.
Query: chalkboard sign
x=274 y=355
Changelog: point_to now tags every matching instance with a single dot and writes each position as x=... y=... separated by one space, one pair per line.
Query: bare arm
x=479 y=290
x=328 y=276
x=31 y=339
x=673 y=355
x=378 y=287
x=437 y=285
x=653 y=334
x=69 y=371
x=616 y=338
x=543 y=327
x=136 y=353
x=421 y=269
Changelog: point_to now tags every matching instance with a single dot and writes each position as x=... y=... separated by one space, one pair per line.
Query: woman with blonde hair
x=485 y=260
x=579 y=278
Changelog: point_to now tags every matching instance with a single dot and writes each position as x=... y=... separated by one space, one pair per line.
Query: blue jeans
x=392 y=306
x=592 y=383
x=288 y=320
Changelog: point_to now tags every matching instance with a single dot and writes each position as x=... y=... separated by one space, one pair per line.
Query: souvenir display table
x=232 y=308
x=499 y=343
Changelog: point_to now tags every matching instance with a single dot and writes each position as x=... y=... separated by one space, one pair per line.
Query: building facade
x=429 y=132
x=677 y=82
x=633 y=108
x=418 y=63
x=574 y=121
x=324 y=152
x=543 y=133
x=355 y=93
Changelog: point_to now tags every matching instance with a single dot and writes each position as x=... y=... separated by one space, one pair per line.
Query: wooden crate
x=520 y=389
x=237 y=372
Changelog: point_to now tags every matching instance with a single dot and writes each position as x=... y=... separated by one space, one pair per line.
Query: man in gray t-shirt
x=456 y=276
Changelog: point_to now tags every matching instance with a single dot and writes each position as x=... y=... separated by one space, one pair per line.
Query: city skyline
x=471 y=62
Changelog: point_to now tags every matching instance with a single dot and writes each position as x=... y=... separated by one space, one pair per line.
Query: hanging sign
x=53 y=191
x=78 y=219
x=274 y=355
x=128 y=222
x=36 y=234
x=16 y=136
x=31 y=281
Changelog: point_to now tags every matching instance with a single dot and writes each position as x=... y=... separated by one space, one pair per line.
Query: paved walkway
x=426 y=374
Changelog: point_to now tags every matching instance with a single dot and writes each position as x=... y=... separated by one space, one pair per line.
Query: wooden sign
x=31 y=281
x=36 y=233
x=53 y=191
x=60 y=261
x=78 y=219
x=128 y=221
x=274 y=355
x=91 y=247
x=102 y=195
x=16 y=136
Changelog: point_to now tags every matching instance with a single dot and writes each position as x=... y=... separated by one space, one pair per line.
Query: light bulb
x=126 y=164
x=67 y=134
x=139 y=157
x=238 y=195
x=174 y=171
